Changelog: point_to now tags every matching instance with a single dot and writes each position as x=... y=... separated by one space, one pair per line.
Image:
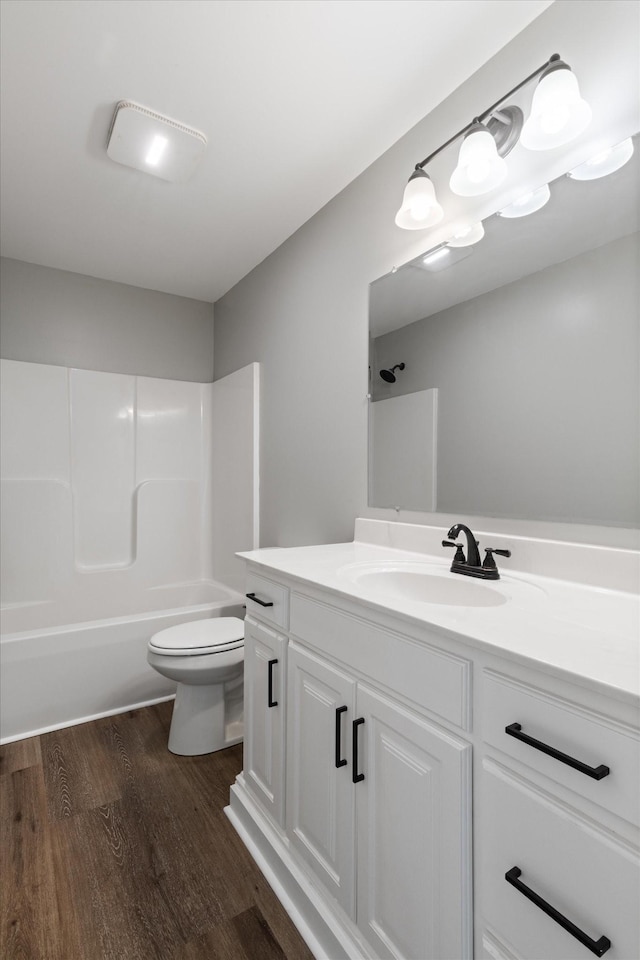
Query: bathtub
x=60 y=665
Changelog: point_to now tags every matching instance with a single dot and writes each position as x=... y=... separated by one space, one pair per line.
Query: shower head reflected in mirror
x=388 y=375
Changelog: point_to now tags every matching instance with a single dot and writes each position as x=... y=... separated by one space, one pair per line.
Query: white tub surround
x=109 y=528
x=384 y=732
x=108 y=485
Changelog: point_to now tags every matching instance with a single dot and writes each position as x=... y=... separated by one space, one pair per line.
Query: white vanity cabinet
x=362 y=731
x=264 y=716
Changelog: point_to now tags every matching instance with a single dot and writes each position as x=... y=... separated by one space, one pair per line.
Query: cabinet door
x=320 y=797
x=264 y=693
x=413 y=811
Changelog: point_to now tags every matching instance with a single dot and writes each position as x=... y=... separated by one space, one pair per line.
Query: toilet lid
x=200 y=636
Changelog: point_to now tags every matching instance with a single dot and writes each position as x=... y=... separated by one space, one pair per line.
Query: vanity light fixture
x=528 y=203
x=604 y=163
x=419 y=208
x=467 y=236
x=480 y=168
x=153 y=143
x=558 y=114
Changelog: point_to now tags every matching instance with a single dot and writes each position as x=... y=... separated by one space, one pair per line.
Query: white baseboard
x=94 y=716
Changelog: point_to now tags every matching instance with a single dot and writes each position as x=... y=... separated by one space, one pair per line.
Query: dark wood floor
x=114 y=849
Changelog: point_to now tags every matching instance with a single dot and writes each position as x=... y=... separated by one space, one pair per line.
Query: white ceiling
x=296 y=98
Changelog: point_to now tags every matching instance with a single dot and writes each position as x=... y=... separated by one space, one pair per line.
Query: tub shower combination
x=111 y=533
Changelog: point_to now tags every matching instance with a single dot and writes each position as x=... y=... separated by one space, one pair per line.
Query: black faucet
x=473 y=557
x=471 y=566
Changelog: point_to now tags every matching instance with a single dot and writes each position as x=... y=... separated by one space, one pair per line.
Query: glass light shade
x=479 y=169
x=420 y=208
x=608 y=161
x=467 y=237
x=558 y=113
x=528 y=203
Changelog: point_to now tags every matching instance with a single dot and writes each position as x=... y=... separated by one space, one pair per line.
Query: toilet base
x=198 y=722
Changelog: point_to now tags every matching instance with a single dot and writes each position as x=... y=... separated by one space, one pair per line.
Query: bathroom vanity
x=426 y=779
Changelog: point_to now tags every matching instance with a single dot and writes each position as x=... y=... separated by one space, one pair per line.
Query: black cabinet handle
x=596 y=946
x=355 y=776
x=340 y=762
x=597 y=773
x=270 y=701
x=263 y=603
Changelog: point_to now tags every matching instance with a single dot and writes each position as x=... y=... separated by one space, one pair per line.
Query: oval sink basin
x=431 y=588
x=428 y=582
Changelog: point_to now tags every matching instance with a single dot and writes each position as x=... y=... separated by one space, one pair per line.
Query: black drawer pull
x=340 y=762
x=355 y=776
x=263 y=603
x=270 y=701
x=514 y=730
x=596 y=946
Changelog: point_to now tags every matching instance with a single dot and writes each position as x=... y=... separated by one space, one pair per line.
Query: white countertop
x=591 y=633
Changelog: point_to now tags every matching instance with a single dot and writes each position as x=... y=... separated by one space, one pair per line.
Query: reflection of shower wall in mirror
x=539 y=413
x=403 y=450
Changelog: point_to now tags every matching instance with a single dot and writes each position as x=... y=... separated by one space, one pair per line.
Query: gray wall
x=303 y=312
x=53 y=316
x=538 y=392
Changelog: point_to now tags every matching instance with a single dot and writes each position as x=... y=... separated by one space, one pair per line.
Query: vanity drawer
x=583 y=873
x=572 y=733
x=438 y=681
x=267 y=600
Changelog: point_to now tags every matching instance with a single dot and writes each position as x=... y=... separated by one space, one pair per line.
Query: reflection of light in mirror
x=126 y=413
x=604 y=163
x=441 y=258
x=467 y=236
x=527 y=203
x=436 y=255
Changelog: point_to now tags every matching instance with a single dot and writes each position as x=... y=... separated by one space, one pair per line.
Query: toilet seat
x=199 y=637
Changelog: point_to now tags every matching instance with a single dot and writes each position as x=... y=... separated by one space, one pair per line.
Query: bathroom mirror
x=519 y=394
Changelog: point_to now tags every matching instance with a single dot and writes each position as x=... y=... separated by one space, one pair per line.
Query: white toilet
x=206 y=658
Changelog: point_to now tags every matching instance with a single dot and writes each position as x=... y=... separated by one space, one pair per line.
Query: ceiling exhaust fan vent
x=158 y=145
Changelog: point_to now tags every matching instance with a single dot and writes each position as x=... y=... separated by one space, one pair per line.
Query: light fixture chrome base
x=505 y=126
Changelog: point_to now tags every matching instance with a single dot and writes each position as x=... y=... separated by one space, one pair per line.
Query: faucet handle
x=489 y=562
x=459 y=554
